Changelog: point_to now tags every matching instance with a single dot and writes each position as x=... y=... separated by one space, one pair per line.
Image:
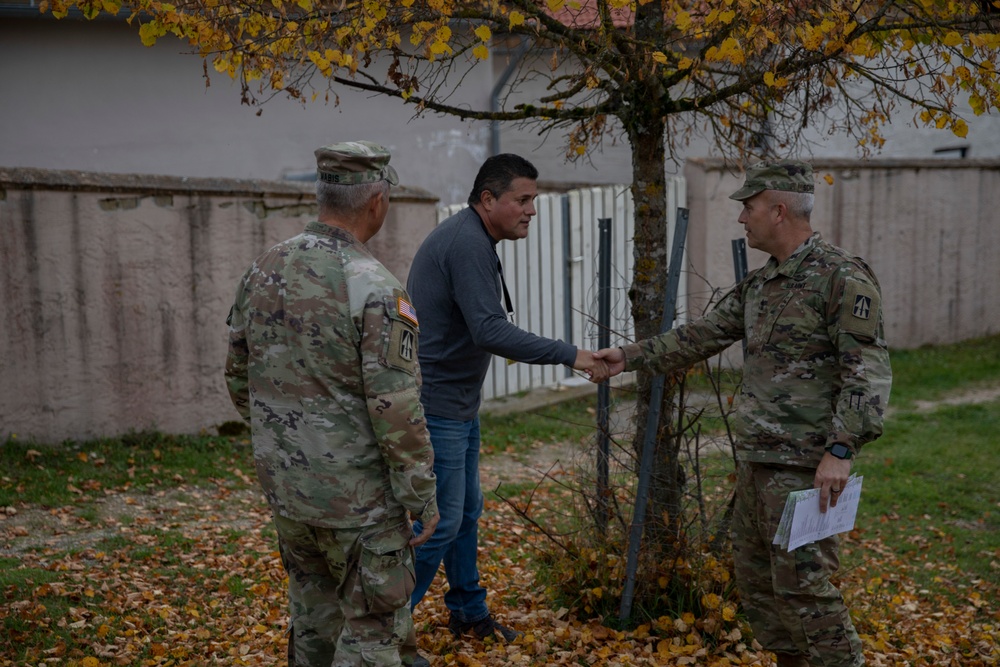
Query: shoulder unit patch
x=860 y=310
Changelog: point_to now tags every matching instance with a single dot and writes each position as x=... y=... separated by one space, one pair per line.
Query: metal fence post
x=652 y=420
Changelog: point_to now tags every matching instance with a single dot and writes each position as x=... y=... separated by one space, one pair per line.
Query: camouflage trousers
x=349 y=594
x=787 y=596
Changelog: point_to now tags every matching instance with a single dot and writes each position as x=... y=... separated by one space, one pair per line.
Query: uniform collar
x=317 y=227
x=790 y=266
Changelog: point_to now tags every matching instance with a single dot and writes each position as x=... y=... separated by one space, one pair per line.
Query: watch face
x=840 y=451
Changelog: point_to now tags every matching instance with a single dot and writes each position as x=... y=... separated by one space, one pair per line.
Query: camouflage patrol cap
x=353 y=162
x=787 y=175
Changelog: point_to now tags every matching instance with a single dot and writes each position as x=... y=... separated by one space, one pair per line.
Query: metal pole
x=740 y=269
x=604 y=389
x=652 y=420
x=567 y=276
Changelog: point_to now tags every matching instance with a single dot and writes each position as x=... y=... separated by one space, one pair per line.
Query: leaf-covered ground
x=192 y=577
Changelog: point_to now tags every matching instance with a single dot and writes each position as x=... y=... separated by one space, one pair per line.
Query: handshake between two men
x=600 y=365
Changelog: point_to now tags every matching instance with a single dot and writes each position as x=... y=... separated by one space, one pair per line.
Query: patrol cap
x=787 y=175
x=353 y=162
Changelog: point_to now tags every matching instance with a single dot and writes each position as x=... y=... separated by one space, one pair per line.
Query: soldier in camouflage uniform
x=323 y=366
x=815 y=386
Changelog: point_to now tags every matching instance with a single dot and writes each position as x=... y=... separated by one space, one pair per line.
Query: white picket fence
x=553 y=281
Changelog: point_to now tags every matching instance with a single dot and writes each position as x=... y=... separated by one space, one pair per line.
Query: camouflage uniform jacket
x=322 y=364
x=817 y=365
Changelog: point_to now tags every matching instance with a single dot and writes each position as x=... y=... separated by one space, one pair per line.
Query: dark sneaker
x=420 y=661
x=483 y=629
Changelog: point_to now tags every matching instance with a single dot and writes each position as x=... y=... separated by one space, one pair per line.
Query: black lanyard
x=506 y=294
x=503 y=283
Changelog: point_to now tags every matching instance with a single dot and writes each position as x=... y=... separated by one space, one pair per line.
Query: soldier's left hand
x=428 y=529
x=831 y=478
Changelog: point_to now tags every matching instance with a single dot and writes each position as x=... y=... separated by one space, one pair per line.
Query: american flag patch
x=406 y=310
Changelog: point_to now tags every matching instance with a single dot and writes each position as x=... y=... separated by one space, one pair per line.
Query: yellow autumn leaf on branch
x=321 y=63
x=515 y=19
x=481 y=52
x=484 y=33
x=959 y=128
x=683 y=21
x=150 y=32
x=660 y=57
x=952 y=39
x=978 y=105
x=438 y=47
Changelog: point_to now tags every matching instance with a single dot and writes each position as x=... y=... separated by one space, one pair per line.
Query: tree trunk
x=647 y=294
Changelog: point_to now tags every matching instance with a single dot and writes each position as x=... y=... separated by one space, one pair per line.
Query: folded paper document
x=802 y=523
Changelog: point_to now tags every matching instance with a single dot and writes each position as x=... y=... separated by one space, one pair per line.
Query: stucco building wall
x=114 y=292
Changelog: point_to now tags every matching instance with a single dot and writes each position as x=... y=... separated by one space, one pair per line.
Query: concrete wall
x=930 y=229
x=114 y=289
x=114 y=292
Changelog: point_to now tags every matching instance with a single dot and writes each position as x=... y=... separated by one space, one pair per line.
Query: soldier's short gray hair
x=800 y=204
x=347 y=199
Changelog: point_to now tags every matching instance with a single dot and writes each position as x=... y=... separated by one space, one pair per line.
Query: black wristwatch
x=841 y=451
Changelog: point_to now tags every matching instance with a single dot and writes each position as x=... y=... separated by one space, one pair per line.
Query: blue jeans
x=460 y=503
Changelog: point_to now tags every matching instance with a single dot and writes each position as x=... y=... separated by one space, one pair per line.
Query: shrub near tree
x=753 y=76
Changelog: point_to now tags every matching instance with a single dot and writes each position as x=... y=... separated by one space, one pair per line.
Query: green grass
x=53 y=476
x=931 y=491
x=928 y=373
x=516 y=434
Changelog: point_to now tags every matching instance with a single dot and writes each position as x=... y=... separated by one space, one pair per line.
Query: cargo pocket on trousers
x=833 y=637
x=387 y=576
x=387 y=656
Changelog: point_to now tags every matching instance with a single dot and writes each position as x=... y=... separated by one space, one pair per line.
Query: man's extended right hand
x=596 y=370
x=614 y=357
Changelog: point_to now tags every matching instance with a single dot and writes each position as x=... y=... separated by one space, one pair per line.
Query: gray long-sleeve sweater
x=456 y=290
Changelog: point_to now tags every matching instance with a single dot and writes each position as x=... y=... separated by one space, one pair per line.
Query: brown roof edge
x=28 y=178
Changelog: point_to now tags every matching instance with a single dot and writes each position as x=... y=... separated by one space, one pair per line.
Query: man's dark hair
x=498 y=172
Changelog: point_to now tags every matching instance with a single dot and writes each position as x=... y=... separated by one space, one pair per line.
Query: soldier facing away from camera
x=323 y=366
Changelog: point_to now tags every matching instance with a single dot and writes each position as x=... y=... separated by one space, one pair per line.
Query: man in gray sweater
x=456 y=283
